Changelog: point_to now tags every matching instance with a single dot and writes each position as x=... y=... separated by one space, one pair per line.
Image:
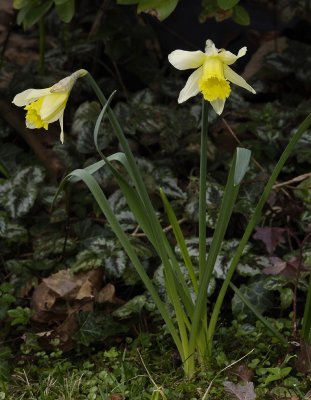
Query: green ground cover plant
x=106 y=338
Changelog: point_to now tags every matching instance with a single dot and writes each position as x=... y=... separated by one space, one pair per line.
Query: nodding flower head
x=45 y=106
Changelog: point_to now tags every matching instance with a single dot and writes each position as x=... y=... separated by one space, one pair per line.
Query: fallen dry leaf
x=240 y=392
x=242 y=371
x=107 y=295
x=116 y=396
x=62 y=283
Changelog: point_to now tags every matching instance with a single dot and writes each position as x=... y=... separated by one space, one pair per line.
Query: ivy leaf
x=97 y=326
x=240 y=392
x=256 y=293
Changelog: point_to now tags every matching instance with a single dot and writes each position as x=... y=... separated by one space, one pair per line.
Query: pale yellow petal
x=28 y=96
x=52 y=106
x=236 y=79
x=181 y=59
x=229 y=58
x=218 y=105
x=210 y=48
x=20 y=100
x=192 y=87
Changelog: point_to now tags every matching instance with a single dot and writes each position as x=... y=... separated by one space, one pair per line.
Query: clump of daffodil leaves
x=193 y=332
x=45 y=106
x=212 y=75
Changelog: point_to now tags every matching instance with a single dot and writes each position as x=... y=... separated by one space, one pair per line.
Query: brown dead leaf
x=62 y=283
x=270 y=236
x=65 y=332
x=240 y=392
x=107 y=295
x=116 y=396
x=59 y=298
x=43 y=299
x=63 y=293
x=242 y=371
x=85 y=291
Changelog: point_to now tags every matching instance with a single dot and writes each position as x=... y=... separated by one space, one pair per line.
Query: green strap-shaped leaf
x=243 y=157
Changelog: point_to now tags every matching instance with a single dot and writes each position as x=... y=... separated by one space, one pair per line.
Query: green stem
x=251 y=225
x=41 y=46
x=226 y=209
x=202 y=193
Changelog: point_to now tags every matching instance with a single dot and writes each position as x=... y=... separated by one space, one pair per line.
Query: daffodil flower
x=212 y=75
x=45 y=106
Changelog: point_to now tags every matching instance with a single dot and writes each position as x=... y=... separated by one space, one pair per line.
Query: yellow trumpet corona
x=45 y=106
x=212 y=75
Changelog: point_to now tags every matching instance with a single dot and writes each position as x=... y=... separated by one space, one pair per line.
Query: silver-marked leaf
x=114 y=259
x=133 y=306
x=52 y=244
x=169 y=183
x=3 y=224
x=83 y=128
x=15 y=233
x=122 y=212
x=19 y=193
x=214 y=194
x=86 y=260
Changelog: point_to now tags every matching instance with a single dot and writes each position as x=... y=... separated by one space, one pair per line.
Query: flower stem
x=202 y=192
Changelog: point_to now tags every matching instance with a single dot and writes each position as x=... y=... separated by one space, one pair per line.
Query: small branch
x=294 y=180
x=168 y=228
x=239 y=142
